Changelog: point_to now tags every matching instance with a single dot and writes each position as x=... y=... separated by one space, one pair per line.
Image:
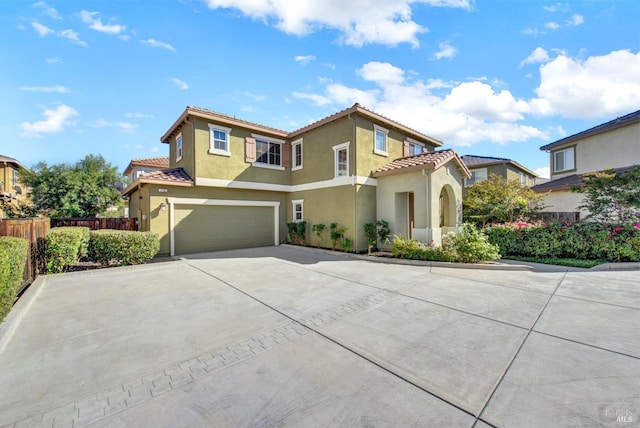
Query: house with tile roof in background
x=614 y=144
x=141 y=166
x=482 y=166
x=11 y=189
x=234 y=184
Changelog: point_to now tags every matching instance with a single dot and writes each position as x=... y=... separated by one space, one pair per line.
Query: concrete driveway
x=285 y=336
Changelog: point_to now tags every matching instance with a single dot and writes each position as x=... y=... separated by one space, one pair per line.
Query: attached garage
x=202 y=225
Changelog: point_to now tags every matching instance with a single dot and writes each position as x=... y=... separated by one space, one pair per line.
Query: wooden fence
x=34 y=230
x=97 y=223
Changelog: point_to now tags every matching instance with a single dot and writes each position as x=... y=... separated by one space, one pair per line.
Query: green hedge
x=64 y=246
x=582 y=240
x=119 y=248
x=468 y=245
x=13 y=257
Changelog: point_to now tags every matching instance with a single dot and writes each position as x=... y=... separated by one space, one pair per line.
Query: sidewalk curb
x=19 y=310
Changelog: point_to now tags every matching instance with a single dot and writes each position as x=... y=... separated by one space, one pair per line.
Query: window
x=477 y=176
x=15 y=177
x=297 y=155
x=415 y=149
x=219 y=140
x=564 y=160
x=380 y=135
x=523 y=179
x=297 y=210
x=178 y=147
x=341 y=157
x=268 y=152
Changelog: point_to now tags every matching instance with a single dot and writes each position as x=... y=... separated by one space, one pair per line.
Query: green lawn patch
x=560 y=262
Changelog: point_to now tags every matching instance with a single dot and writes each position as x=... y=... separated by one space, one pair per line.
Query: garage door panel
x=202 y=228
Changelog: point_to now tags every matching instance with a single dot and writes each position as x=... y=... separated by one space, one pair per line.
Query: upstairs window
x=380 y=143
x=15 y=177
x=341 y=158
x=270 y=152
x=564 y=160
x=219 y=140
x=415 y=149
x=477 y=175
x=178 y=147
x=297 y=155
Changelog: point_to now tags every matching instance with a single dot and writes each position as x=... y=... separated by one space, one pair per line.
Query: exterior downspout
x=354 y=184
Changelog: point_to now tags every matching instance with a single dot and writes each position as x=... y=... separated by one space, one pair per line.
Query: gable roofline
x=233 y=121
x=219 y=118
x=423 y=161
x=357 y=108
x=622 y=121
x=6 y=159
x=495 y=161
x=566 y=183
x=169 y=177
x=157 y=162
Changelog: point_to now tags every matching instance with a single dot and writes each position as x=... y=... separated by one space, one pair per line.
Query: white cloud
x=42 y=30
x=49 y=11
x=127 y=126
x=139 y=146
x=446 y=51
x=72 y=36
x=21 y=27
x=255 y=97
x=57 y=88
x=600 y=86
x=575 y=20
x=156 y=44
x=247 y=109
x=318 y=100
x=55 y=121
x=95 y=23
x=387 y=22
x=304 y=59
x=538 y=55
x=154 y=149
x=552 y=25
x=179 y=83
x=54 y=60
x=543 y=172
x=140 y=116
x=558 y=7
x=100 y=123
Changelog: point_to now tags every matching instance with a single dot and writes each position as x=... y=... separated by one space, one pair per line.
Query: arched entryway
x=447 y=207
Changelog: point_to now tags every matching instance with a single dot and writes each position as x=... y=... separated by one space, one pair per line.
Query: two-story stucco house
x=482 y=166
x=614 y=144
x=11 y=189
x=233 y=183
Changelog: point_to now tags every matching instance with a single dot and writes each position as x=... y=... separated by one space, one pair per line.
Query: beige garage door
x=202 y=228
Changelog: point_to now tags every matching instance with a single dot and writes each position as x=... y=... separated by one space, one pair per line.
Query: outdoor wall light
x=163 y=206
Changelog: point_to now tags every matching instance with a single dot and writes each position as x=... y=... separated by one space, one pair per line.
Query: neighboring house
x=482 y=166
x=11 y=190
x=139 y=167
x=614 y=144
x=233 y=183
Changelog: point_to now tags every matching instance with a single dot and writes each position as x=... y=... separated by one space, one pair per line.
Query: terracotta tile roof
x=171 y=177
x=619 y=122
x=160 y=162
x=427 y=160
x=357 y=108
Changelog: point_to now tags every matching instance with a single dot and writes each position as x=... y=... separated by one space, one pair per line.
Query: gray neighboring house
x=614 y=144
x=482 y=166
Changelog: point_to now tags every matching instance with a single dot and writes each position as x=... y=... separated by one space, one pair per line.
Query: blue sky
x=490 y=78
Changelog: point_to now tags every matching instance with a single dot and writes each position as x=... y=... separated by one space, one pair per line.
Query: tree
x=500 y=200
x=84 y=189
x=610 y=195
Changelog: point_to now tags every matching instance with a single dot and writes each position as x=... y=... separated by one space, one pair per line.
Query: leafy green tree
x=84 y=189
x=500 y=200
x=611 y=196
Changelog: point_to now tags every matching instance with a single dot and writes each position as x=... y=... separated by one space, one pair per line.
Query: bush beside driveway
x=289 y=336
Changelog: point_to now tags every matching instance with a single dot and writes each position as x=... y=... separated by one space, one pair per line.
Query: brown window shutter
x=405 y=149
x=249 y=149
x=286 y=155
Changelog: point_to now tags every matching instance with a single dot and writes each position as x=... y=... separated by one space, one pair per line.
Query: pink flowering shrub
x=582 y=240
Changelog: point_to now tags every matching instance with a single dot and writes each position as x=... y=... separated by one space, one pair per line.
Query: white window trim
x=179 y=147
x=573 y=159
x=268 y=140
x=293 y=205
x=212 y=149
x=385 y=131
x=293 y=155
x=336 y=149
x=411 y=141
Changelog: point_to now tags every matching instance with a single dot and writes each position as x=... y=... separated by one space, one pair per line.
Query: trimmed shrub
x=415 y=250
x=582 y=240
x=471 y=245
x=297 y=232
x=64 y=246
x=13 y=257
x=120 y=247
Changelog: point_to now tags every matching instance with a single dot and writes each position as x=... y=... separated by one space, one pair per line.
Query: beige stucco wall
x=187 y=162
x=564 y=201
x=613 y=149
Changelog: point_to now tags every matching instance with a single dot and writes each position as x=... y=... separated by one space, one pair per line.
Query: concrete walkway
x=286 y=336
